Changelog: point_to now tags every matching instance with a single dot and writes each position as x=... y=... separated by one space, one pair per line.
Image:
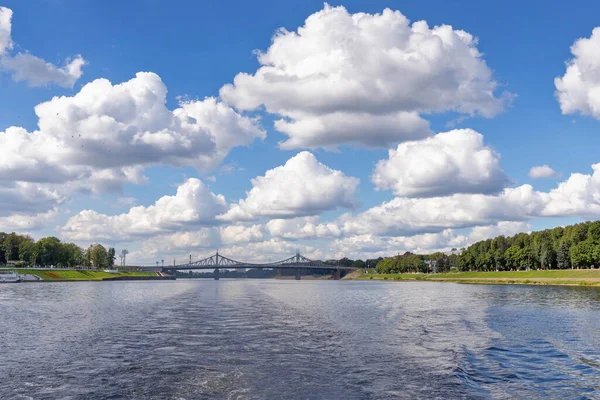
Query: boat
x=10 y=277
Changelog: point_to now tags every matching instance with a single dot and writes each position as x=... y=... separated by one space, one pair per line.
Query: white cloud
x=105 y=135
x=193 y=205
x=331 y=130
x=406 y=216
x=578 y=90
x=22 y=198
x=176 y=245
x=372 y=246
x=301 y=187
x=5 y=30
x=241 y=234
x=578 y=196
x=542 y=171
x=364 y=78
x=37 y=72
x=302 y=228
x=506 y=228
x=27 y=222
x=126 y=201
x=447 y=163
x=31 y=69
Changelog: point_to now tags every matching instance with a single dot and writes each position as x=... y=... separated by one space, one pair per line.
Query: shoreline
x=581 y=278
x=82 y=275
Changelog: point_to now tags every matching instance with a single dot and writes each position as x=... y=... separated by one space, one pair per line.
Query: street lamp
x=162 y=263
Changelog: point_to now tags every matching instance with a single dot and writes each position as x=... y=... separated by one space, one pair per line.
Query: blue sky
x=198 y=47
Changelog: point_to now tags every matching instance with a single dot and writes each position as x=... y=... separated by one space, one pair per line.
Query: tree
x=111 y=257
x=358 y=264
x=98 y=256
x=563 y=258
x=26 y=248
x=47 y=252
x=593 y=233
x=2 y=238
x=346 y=262
x=581 y=254
x=513 y=257
x=73 y=255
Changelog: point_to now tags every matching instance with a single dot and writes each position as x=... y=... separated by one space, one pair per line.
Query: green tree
x=359 y=264
x=72 y=255
x=26 y=248
x=47 y=252
x=593 y=233
x=513 y=257
x=99 y=256
x=582 y=254
x=111 y=257
x=10 y=246
x=563 y=257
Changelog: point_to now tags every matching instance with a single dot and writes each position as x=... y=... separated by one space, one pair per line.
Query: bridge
x=217 y=261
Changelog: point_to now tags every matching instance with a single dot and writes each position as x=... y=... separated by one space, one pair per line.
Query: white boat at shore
x=10 y=277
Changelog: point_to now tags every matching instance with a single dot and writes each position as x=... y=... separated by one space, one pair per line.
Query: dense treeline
x=50 y=251
x=574 y=246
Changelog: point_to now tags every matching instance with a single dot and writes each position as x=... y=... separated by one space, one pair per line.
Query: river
x=270 y=339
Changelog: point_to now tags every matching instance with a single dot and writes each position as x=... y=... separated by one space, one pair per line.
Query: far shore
x=569 y=277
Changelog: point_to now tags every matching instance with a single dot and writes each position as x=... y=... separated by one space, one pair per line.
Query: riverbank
x=581 y=277
x=82 y=275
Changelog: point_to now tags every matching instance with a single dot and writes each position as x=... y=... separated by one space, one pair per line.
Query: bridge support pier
x=298 y=275
x=216 y=274
x=337 y=274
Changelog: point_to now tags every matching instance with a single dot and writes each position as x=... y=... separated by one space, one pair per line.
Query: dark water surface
x=249 y=339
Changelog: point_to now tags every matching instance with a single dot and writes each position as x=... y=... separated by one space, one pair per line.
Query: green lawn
x=78 y=275
x=559 y=277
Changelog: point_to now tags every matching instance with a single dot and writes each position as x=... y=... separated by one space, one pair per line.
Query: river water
x=269 y=339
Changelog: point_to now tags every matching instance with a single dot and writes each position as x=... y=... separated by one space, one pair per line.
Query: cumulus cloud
x=578 y=90
x=241 y=234
x=302 y=228
x=405 y=216
x=27 y=222
x=506 y=228
x=373 y=246
x=542 y=171
x=364 y=79
x=301 y=187
x=31 y=69
x=105 y=135
x=578 y=196
x=193 y=205
x=5 y=30
x=37 y=72
x=18 y=198
x=447 y=163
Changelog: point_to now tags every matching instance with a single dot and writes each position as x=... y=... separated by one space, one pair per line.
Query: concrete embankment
x=140 y=278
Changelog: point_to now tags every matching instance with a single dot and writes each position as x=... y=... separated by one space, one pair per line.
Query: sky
x=356 y=129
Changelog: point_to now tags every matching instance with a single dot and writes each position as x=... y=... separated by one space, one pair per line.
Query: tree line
x=50 y=251
x=573 y=246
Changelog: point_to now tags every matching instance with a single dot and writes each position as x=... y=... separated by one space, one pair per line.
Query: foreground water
x=248 y=339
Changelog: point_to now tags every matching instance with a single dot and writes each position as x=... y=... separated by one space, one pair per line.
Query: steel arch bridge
x=218 y=261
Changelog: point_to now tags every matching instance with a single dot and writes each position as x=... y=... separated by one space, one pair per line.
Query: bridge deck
x=220 y=262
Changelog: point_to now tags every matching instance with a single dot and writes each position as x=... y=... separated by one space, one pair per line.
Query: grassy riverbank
x=582 y=277
x=78 y=275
